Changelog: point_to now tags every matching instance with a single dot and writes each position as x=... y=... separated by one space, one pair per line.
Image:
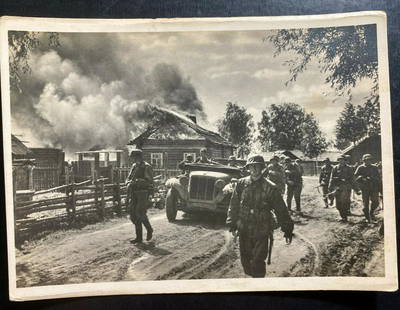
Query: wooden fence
x=67 y=205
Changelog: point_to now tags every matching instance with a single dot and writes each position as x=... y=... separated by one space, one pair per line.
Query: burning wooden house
x=174 y=137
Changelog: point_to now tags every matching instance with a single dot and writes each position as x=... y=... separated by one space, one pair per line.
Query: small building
x=49 y=167
x=366 y=145
x=166 y=152
x=23 y=164
x=97 y=163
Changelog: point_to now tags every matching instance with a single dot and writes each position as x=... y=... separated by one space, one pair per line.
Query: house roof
x=18 y=148
x=207 y=134
x=361 y=141
x=332 y=155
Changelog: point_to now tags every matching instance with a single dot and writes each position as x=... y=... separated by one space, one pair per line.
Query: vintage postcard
x=197 y=155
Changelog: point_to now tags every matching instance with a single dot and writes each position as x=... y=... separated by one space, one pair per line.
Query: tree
x=349 y=127
x=370 y=116
x=237 y=126
x=287 y=126
x=355 y=122
x=280 y=126
x=313 y=142
x=346 y=54
x=21 y=44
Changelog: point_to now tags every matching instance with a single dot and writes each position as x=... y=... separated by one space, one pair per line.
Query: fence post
x=102 y=203
x=71 y=203
x=96 y=197
x=117 y=195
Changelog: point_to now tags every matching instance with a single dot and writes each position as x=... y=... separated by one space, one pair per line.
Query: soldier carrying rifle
x=368 y=179
x=340 y=185
x=140 y=186
x=250 y=215
x=324 y=182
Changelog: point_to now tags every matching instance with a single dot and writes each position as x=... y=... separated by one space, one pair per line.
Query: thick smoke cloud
x=90 y=92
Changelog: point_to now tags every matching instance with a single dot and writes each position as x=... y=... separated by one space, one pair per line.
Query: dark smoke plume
x=89 y=92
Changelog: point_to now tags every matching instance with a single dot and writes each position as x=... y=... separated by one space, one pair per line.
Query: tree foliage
x=355 y=122
x=237 y=126
x=346 y=54
x=287 y=126
x=21 y=45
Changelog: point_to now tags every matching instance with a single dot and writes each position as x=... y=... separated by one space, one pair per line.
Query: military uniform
x=140 y=186
x=294 y=183
x=341 y=183
x=182 y=165
x=369 y=181
x=276 y=174
x=324 y=178
x=250 y=213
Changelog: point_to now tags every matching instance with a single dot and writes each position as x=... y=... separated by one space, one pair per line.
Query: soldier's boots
x=139 y=233
x=367 y=215
x=149 y=235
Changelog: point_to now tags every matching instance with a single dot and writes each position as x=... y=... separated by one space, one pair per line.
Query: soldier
x=232 y=161
x=368 y=179
x=340 y=183
x=140 y=186
x=204 y=157
x=276 y=174
x=181 y=165
x=324 y=177
x=299 y=166
x=294 y=183
x=249 y=213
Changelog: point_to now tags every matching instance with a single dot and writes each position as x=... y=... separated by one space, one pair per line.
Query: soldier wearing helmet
x=324 y=177
x=341 y=183
x=140 y=186
x=249 y=214
x=182 y=164
x=369 y=181
x=275 y=173
x=294 y=182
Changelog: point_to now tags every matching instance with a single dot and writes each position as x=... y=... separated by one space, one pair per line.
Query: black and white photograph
x=197 y=155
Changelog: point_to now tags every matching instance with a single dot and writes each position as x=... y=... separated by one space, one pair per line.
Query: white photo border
x=387 y=283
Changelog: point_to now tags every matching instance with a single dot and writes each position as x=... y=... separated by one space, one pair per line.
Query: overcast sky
x=90 y=75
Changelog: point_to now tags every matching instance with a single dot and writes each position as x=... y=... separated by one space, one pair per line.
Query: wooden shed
x=22 y=164
x=49 y=167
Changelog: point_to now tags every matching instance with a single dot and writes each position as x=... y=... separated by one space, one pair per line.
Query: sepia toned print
x=155 y=156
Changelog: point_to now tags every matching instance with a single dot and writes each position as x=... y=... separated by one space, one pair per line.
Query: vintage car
x=204 y=187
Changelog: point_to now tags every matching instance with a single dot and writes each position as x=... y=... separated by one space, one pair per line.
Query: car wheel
x=171 y=204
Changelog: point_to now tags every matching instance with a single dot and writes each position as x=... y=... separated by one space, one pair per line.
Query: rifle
x=270 y=245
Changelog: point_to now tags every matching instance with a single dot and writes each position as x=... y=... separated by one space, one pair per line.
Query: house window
x=185 y=155
x=157 y=160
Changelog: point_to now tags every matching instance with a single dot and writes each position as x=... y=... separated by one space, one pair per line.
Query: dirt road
x=201 y=247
